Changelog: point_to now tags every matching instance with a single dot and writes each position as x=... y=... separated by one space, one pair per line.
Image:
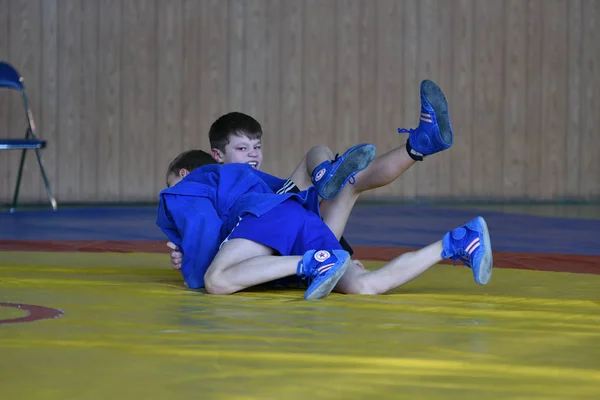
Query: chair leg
x=46 y=182
x=18 y=185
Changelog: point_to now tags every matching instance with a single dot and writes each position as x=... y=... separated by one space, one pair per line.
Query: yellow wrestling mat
x=130 y=331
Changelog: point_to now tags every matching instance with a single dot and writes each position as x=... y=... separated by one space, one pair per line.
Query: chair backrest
x=9 y=77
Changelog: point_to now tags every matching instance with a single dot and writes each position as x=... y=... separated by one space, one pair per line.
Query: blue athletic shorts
x=288 y=228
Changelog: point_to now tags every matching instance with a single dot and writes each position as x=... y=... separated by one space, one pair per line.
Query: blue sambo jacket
x=200 y=211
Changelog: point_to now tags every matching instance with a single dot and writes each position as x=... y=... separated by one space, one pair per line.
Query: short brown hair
x=233 y=124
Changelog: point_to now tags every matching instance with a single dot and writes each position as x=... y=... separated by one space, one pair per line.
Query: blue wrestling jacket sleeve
x=192 y=223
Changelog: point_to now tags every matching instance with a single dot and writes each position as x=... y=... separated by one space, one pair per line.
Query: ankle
x=412 y=153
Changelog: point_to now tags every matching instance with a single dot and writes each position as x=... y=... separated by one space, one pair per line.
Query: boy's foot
x=323 y=268
x=471 y=244
x=331 y=176
x=434 y=132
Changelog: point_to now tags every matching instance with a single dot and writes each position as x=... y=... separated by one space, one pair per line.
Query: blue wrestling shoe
x=331 y=176
x=471 y=244
x=323 y=269
x=434 y=132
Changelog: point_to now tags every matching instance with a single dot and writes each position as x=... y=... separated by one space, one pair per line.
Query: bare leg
x=383 y=170
x=335 y=212
x=303 y=172
x=242 y=263
x=395 y=273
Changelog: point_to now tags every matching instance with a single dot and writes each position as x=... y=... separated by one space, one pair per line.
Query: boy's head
x=185 y=163
x=236 y=138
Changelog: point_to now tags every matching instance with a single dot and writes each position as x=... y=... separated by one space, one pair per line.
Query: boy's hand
x=359 y=264
x=176 y=256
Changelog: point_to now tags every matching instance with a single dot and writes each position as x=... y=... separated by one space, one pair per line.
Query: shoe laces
x=402 y=130
x=463 y=256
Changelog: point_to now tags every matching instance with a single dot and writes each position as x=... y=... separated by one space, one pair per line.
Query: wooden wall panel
x=108 y=114
x=554 y=98
x=24 y=53
x=463 y=100
x=289 y=139
x=271 y=121
x=590 y=140
x=5 y=171
x=515 y=112
x=319 y=74
x=533 y=131
x=47 y=116
x=169 y=88
x=138 y=98
x=574 y=100
x=89 y=134
x=406 y=112
x=120 y=88
x=70 y=101
x=488 y=118
x=389 y=84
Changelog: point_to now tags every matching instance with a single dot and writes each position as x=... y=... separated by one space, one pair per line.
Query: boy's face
x=240 y=149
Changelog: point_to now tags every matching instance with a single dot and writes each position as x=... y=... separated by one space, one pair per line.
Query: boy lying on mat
x=235 y=231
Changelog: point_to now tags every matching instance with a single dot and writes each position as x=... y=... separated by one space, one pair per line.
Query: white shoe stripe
x=324 y=268
x=473 y=245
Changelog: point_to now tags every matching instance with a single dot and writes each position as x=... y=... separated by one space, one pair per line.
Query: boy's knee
x=360 y=287
x=215 y=283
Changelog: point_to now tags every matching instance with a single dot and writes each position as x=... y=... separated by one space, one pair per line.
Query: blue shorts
x=289 y=229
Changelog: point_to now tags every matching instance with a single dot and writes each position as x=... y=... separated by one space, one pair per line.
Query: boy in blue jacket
x=269 y=236
x=214 y=205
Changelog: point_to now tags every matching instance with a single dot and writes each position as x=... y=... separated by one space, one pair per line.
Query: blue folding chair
x=11 y=79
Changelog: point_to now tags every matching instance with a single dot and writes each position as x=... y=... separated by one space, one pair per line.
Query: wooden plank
x=347 y=102
x=89 y=162
x=214 y=79
x=319 y=74
x=429 y=37
x=49 y=95
x=388 y=87
x=534 y=99
x=69 y=100
x=253 y=84
x=488 y=116
x=575 y=88
x=272 y=93
x=367 y=95
x=515 y=112
x=138 y=99
x=554 y=99
x=590 y=142
x=109 y=101
x=169 y=131
x=193 y=132
x=444 y=80
x=5 y=168
x=290 y=141
x=237 y=44
x=461 y=103
x=25 y=32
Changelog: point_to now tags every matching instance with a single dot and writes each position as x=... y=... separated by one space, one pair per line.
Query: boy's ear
x=183 y=172
x=217 y=155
